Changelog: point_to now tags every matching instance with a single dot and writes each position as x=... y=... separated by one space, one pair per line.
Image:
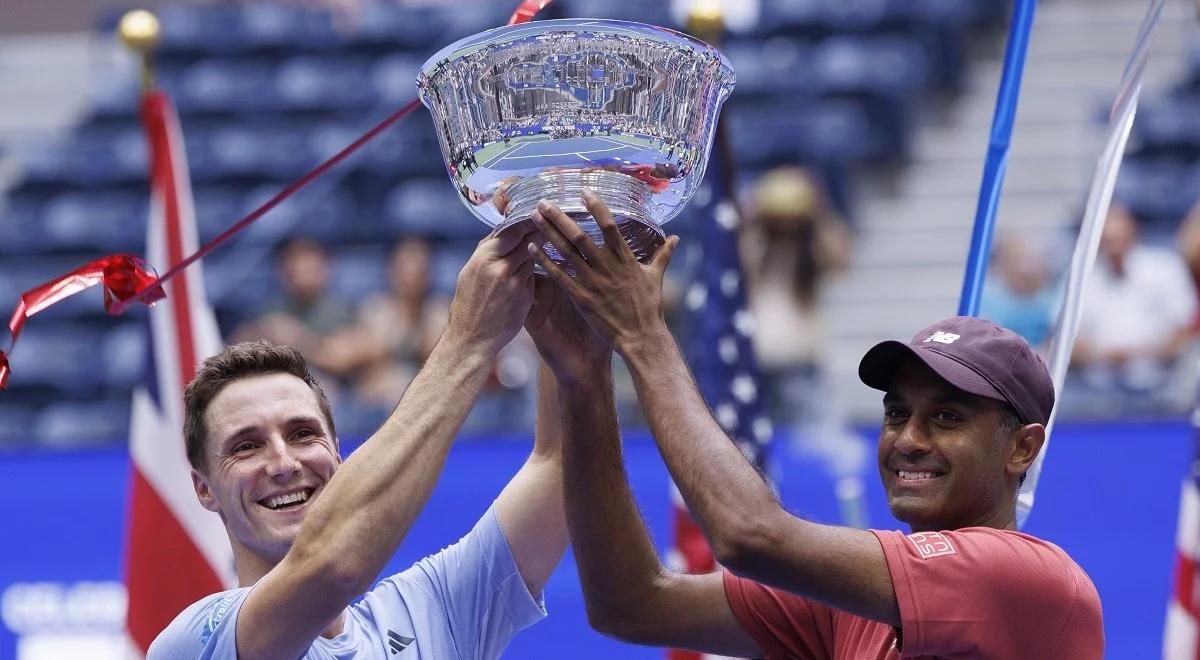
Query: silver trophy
x=544 y=109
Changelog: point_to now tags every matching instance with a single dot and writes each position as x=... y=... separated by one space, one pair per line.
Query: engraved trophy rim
x=508 y=33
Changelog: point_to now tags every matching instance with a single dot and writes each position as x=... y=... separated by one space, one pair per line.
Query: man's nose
x=913 y=438
x=281 y=462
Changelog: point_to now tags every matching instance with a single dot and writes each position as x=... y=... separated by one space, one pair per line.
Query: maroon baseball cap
x=976 y=356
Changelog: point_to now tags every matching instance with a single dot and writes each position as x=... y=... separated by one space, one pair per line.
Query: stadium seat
x=16 y=424
x=63 y=355
x=1159 y=191
x=228 y=85
x=428 y=207
x=654 y=12
x=124 y=355
x=68 y=424
x=107 y=221
x=888 y=66
x=188 y=27
x=358 y=271
x=394 y=77
x=21 y=217
x=775 y=65
x=324 y=82
x=779 y=133
x=448 y=260
x=1169 y=128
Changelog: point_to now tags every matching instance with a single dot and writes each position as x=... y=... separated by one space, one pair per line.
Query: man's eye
x=893 y=415
x=947 y=416
x=304 y=433
x=243 y=447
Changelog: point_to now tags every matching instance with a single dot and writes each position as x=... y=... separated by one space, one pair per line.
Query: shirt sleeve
x=990 y=593
x=783 y=625
x=478 y=587
x=204 y=631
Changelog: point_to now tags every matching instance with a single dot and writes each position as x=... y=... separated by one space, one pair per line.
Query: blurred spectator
x=1138 y=312
x=398 y=327
x=792 y=244
x=306 y=316
x=1021 y=295
x=793 y=241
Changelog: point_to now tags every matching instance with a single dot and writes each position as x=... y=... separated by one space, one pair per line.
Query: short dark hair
x=251 y=358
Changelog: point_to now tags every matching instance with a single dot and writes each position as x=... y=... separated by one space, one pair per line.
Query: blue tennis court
x=548 y=153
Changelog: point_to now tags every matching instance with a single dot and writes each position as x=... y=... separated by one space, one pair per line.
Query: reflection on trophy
x=544 y=109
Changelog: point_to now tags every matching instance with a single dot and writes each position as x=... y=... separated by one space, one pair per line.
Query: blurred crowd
x=1136 y=349
x=1135 y=353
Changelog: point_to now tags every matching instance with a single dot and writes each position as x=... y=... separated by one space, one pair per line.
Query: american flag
x=1182 y=638
x=176 y=552
x=720 y=349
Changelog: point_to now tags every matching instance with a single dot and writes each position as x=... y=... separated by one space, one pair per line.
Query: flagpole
x=140 y=32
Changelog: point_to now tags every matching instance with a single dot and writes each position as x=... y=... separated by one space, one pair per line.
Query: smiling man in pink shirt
x=965 y=408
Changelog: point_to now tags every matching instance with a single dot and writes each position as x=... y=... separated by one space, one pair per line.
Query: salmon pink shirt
x=970 y=593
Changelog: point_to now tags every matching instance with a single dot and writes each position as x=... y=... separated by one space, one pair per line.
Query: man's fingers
x=555 y=237
x=514 y=237
x=570 y=229
x=553 y=270
x=662 y=256
x=525 y=270
x=515 y=260
x=613 y=240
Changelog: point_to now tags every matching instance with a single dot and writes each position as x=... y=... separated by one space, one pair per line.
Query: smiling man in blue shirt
x=310 y=533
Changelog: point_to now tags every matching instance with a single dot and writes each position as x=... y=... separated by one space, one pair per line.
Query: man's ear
x=204 y=493
x=1026 y=443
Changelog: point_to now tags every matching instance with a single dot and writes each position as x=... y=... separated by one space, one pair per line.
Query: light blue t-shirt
x=467 y=601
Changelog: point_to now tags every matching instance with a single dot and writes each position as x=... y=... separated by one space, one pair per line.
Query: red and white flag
x=1182 y=639
x=176 y=551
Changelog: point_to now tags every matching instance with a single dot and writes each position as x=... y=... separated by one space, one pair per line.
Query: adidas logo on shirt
x=398 y=642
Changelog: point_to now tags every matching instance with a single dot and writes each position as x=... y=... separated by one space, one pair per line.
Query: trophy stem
x=628 y=198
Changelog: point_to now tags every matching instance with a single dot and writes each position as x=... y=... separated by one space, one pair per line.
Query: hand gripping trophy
x=544 y=109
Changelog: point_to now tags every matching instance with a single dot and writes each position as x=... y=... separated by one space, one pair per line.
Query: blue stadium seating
x=16 y=424
x=267 y=90
x=124 y=354
x=1169 y=127
x=358 y=271
x=63 y=355
x=78 y=424
x=104 y=220
x=772 y=66
x=786 y=132
x=1159 y=191
x=427 y=207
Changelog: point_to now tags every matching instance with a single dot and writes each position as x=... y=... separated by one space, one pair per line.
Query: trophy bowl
x=544 y=109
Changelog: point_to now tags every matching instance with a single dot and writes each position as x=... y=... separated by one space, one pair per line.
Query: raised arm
x=530 y=508
x=629 y=594
x=750 y=533
x=367 y=507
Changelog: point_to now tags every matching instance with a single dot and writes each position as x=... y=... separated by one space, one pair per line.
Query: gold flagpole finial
x=706 y=20
x=140 y=32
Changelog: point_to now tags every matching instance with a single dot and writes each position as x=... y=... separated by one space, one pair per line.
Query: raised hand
x=620 y=298
x=570 y=347
x=494 y=290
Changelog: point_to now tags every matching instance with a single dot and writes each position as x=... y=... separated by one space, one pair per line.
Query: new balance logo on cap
x=398 y=642
x=941 y=337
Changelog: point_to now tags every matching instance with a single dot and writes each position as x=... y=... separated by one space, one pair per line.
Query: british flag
x=176 y=551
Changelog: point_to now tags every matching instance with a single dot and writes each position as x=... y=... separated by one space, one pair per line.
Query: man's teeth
x=913 y=476
x=281 y=500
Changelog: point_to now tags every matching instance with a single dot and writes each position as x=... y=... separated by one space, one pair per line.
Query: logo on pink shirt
x=931 y=544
